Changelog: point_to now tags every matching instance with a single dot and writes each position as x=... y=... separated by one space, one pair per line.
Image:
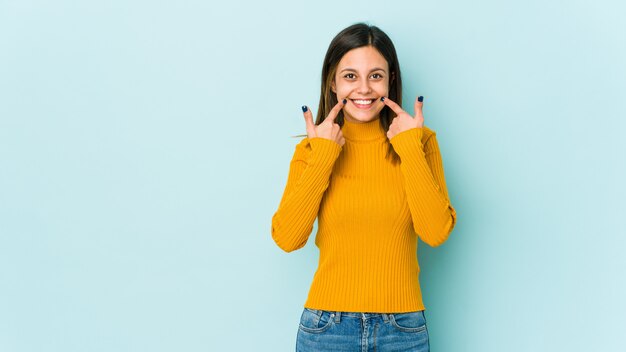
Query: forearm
x=432 y=214
x=293 y=221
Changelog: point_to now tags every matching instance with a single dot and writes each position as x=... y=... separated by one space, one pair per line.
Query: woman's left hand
x=403 y=121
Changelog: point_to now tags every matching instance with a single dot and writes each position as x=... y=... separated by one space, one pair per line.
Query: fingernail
x=382 y=98
x=304 y=109
x=345 y=101
x=420 y=99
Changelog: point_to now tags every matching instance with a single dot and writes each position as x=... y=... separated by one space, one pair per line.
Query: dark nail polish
x=420 y=99
x=304 y=109
x=382 y=98
x=345 y=101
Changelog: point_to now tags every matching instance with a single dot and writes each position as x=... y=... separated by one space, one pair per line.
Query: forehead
x=362 y=59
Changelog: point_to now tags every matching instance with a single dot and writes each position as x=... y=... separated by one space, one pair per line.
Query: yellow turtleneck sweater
x=370 y=214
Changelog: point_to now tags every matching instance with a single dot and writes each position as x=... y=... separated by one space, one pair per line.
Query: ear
x=332 y=86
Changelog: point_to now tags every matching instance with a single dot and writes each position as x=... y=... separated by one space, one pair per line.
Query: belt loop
x=337 y=317
x=386 y=317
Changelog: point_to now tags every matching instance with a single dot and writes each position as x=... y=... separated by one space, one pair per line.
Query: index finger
x=335 y=110
x=393 y=106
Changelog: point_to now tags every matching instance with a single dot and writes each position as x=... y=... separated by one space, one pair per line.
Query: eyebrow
x=372 y=70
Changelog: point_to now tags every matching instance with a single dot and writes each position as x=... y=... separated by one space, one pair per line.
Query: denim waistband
x=336 y=315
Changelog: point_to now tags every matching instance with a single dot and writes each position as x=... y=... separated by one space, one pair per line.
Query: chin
x=364 y=117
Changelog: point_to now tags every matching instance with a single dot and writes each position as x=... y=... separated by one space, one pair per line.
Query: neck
x=362 y=131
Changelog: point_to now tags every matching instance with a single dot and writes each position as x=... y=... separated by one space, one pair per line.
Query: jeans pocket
x=409 y=321
x=316 y=321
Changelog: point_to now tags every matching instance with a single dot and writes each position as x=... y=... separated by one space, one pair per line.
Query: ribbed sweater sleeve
x=309 y=176
x=425 y=186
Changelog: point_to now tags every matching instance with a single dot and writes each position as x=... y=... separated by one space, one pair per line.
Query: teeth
x=363 y=102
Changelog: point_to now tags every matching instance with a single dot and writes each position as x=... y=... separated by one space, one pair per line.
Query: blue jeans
x=323 y=330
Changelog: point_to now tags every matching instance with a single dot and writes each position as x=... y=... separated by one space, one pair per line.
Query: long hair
x=356 y=36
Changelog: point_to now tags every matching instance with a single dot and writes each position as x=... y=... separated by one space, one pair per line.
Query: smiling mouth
x=363 y=103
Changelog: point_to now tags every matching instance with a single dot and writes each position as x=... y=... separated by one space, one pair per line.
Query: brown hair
x=356 y=36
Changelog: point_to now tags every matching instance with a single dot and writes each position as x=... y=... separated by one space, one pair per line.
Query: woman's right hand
x=328 y=129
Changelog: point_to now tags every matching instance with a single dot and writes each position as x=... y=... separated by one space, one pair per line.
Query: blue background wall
x=144 y=147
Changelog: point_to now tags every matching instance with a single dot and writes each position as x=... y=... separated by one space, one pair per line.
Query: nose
x=364 y=86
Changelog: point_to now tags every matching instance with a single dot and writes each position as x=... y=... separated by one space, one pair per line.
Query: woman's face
x=362 y=73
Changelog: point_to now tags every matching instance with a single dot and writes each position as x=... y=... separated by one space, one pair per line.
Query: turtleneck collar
x=362 y=131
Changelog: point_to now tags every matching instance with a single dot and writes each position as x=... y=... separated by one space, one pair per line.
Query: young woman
x=373 y=176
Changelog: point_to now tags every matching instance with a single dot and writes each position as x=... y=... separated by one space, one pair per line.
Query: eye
x=351 y=75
